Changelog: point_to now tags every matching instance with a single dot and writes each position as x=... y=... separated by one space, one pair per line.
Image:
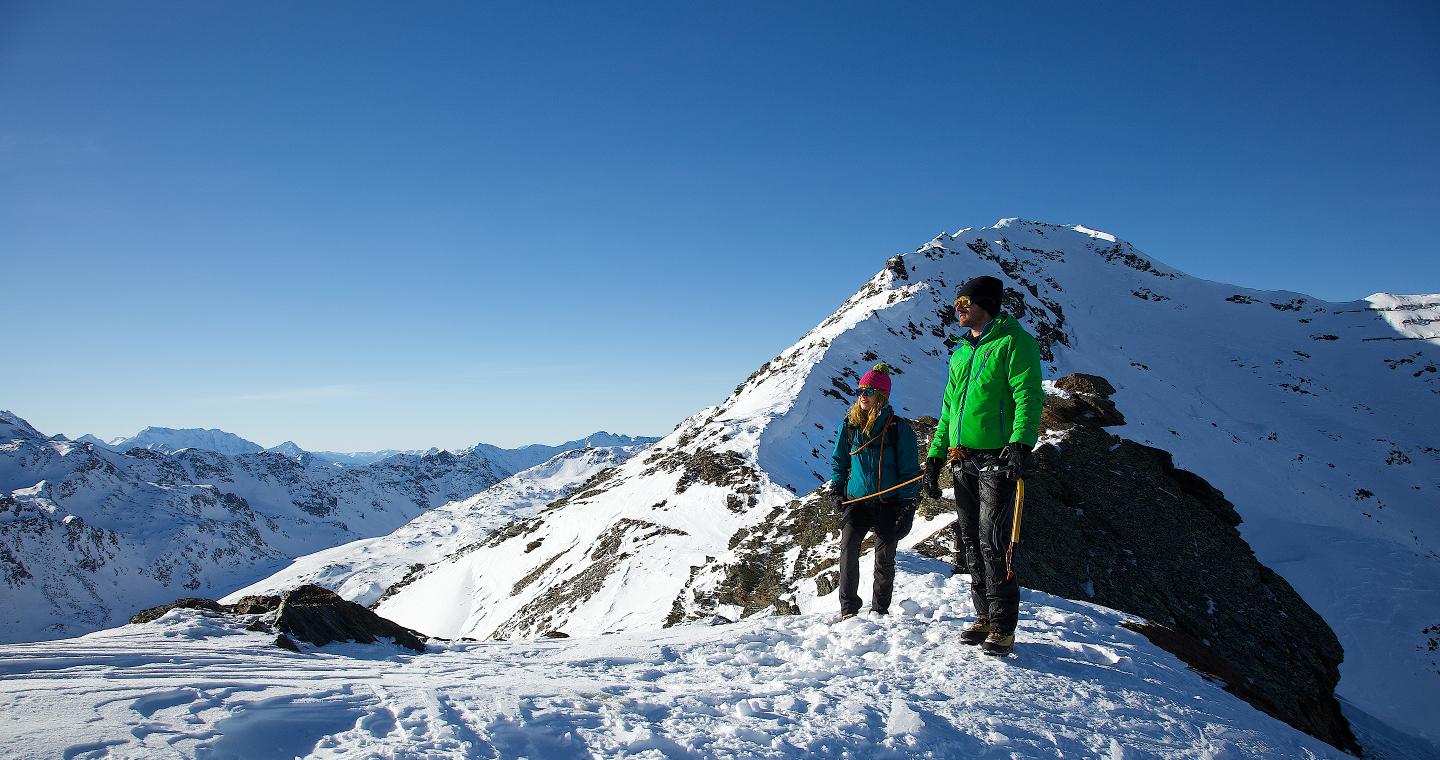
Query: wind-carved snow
x=194 y=685
x=1316 y=419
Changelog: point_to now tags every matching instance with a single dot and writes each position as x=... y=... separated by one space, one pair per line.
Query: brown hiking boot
x=999 y=644
x=975 y=632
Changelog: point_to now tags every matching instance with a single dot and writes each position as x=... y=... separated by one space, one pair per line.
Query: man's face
x=969 y=314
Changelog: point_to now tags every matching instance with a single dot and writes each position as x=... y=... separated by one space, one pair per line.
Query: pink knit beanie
x=877 y=378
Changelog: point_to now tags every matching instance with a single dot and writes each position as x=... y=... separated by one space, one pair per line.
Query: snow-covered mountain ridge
x=1314 y=418
x=89 y=535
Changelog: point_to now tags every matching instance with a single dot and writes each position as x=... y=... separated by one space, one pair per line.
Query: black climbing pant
x=860 y=519
x=985 y=504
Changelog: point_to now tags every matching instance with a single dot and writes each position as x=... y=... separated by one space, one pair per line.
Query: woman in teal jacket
x=874 y=452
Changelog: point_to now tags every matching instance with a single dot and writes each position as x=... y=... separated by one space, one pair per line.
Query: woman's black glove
x=1016 y=458
x=905 y=519
x=931 y=484
x=834 y=495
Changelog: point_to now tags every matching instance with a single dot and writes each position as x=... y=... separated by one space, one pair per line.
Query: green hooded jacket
x=993 y=395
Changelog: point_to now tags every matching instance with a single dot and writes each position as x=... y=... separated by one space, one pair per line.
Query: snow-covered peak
x=14 y=427
x=289 y=449
x=175 y=439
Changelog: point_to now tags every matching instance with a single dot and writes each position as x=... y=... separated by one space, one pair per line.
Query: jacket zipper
x=965 y=395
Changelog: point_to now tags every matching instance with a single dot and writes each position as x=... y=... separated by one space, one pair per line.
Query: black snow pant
x=985 y=504
x=860 y=519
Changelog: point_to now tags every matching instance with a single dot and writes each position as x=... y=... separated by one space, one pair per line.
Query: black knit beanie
x=985 y=292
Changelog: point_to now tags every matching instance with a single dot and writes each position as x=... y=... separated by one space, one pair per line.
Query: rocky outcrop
x=320 y=616
x=308 y=613
x=1114 y=522
x=249 y=605
x=1110 y=521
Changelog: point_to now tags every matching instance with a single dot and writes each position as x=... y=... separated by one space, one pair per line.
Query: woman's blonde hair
x=859 y=418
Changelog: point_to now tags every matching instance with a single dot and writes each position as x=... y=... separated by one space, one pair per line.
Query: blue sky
x=367 y=225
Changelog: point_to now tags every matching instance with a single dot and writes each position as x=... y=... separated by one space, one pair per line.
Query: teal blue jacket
x=869 y=464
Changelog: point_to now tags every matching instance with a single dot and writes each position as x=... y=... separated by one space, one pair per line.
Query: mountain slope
x=1312 y=417
x=361 y=571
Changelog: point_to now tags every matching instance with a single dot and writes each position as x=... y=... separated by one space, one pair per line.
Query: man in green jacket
x=989 y=422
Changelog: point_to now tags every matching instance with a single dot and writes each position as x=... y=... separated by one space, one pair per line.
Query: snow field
x=895 y=686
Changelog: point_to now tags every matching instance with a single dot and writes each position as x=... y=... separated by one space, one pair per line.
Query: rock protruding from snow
x=249 y=605
x=319 y=616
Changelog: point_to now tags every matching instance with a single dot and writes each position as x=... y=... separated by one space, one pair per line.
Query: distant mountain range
x=171 y=440
x=89 y=534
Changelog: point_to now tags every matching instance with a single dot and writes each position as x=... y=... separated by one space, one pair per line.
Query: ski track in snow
x=898 y=686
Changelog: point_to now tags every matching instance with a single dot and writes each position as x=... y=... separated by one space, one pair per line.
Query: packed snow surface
x=896 y=686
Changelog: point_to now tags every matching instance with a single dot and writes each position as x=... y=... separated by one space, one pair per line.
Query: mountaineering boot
x=842 y=617
x=975 y=632
x=999 y=644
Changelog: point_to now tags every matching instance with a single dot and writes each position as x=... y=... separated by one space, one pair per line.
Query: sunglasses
x=963 y=302
x=868 y=391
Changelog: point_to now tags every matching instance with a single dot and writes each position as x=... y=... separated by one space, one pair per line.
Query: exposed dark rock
x=189 y=603
x=1080 y=382
x=555 y=635
x=254 y=605
x=1088 y=404
x=320 y=616
x=896 y=264
x=285 y=642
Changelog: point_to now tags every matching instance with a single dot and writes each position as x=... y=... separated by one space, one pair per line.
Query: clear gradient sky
x=365 y=225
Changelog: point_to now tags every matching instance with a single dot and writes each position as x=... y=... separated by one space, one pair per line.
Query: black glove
x=931 y=485
x=905 y=519
x=1016 y=458
x=833 y=496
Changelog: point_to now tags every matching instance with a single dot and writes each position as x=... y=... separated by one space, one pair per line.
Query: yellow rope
x=882 y=493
